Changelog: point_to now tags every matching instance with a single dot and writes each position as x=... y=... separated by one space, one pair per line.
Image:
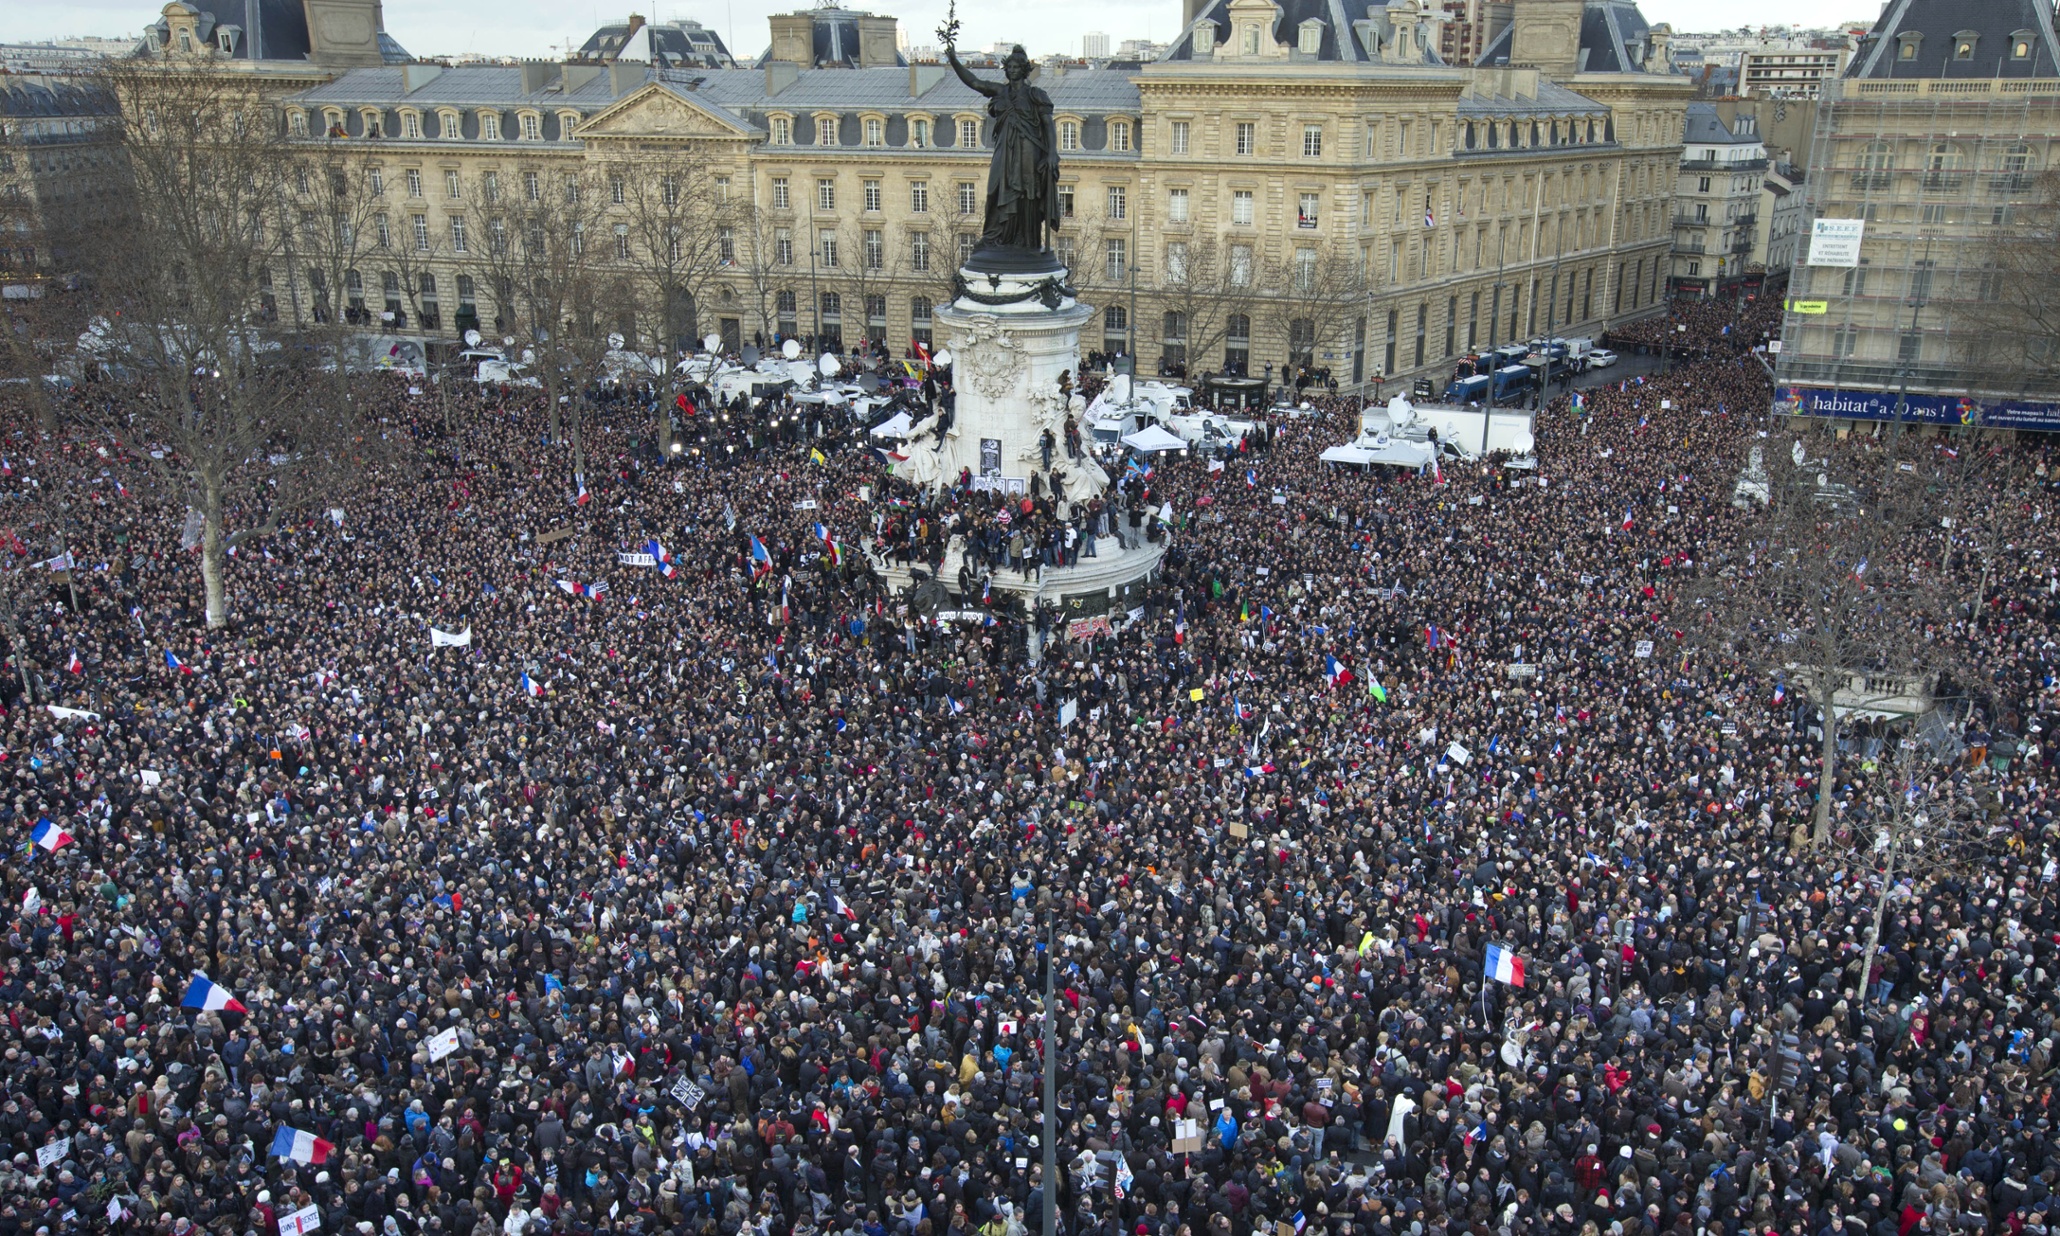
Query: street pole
x=815 y=298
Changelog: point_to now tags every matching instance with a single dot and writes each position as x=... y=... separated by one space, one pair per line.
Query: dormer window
x=226 y=40
x=411 y=126
x=186 y=40
x=532 y=127
x=371 y=118
x=1069 y=136
x=567 y=121
x=1309 y=37
x=782 y=131
x=297 y=123
x=489 y=126
x=448 y=126
x=1963 y=44
x=1907 y=45
x=919 y=134
x=2020 y=44
x=826 y=130
x=1119 y=135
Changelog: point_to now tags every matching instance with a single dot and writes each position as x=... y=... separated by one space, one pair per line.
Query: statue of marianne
x=1023 y=177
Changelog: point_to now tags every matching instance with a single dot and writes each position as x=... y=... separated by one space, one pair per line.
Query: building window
x=1237 y=343
x=783 y=306
x=297 y=124
x=490 y=184
x=571 y=187
x=1247 y=138
x=617 y=190
x=1176 y=206
x=876 y=318
x=780 y=199
x=825 y=130
x=1180 y=137
x=420 y=225
x=1173 y=338
x=448 y=127
x=1176 y=261
x=532 y=128
x=411 y=126
x=919 y=251
x=622 y=242
x=1116 y=258
x=1069 y=135
x=968 y=134
x=453 y=189
x=375 y=180
x=532 y=187
x=414 y=176
x=1312 y=141
x=1119 y=135
x=826 y=194
x=875 y=133
x=457 y=233
x=1065 y=201
x=871 y=194
x=919 y=197
x=826 y=249
x=875 y=250
x=1115 y=329
x=966 y=242
x=1118 y=202
x=1241 y=207
x=489 y=126
x=783 y=247
x=725 y=245
x=1306 y=210
x=919 y=319
x=782 y=131
x=1240 y=266
x=919 y=134
x=968 y=197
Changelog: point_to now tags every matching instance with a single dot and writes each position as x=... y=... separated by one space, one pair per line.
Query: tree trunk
x=1874 y=931
x=1827 y=771
x=211 y=560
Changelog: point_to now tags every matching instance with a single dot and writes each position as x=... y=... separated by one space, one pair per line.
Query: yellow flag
x=1195 y=694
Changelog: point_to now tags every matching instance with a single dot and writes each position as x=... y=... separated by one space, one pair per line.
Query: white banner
x=636 y=559
x=443 y=1044
x=449 y=639
x=54 y=1152
x=1836 y=242
x=72 y=714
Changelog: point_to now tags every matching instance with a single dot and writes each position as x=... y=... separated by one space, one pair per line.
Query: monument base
x=1084 y=586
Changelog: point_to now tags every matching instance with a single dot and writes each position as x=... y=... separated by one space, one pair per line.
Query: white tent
x=895 y=426
x=1152 y=439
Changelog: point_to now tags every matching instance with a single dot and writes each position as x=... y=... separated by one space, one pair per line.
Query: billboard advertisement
x=1836 y=242
x=1921 y=409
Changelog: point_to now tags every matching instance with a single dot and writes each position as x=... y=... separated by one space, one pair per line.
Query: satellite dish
x=507 y=341
x=615 y=339
x=528 y=356
x=471 y=338
x=868 y=383
x=942 y=359
x=750 y=356
x=712 y=343
x=827 y=365
x=790 y=349
x=1119 y=388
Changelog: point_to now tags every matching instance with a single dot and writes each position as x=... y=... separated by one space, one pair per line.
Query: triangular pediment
x=658 y=110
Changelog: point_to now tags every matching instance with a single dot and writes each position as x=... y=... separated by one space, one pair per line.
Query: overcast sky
x=541 y=27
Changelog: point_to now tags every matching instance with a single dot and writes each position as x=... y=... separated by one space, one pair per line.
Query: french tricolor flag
x=1336 y=671
x=1504 y=966
x=50 y=836
x=201 y=994
x=300 y=1146
x=582 y=497
x=659 y=558
x=531 y=687
x=75 y=665
x=172 y=661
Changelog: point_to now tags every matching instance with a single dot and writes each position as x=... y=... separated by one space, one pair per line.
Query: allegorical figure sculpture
x=1023 y=177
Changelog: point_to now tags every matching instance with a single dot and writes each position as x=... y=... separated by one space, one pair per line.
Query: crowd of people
x=715 y=901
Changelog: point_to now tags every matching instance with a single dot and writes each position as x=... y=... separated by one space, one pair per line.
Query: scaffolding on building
x=1936 y=169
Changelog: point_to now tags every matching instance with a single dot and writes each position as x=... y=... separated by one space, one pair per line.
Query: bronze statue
x=1023 y=177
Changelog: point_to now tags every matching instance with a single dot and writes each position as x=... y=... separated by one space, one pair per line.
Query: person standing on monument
x=1023 y=177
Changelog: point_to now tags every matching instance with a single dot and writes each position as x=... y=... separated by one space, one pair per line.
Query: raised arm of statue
x=990 y=89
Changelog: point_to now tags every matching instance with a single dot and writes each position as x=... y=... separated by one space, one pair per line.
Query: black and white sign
x=686 y=1094
x=990 y=457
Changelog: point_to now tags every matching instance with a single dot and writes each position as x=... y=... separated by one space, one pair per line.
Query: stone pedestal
x=1011 y=335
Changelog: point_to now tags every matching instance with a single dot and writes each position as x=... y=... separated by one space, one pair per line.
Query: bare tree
x=765 y=264
x=557 y=268
x=1307 y=296
x=230 y=422
x=1196 y=296
x=1837 y=593
x=2012 y=313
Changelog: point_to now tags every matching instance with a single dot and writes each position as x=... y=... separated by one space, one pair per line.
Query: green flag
x=1376 y=690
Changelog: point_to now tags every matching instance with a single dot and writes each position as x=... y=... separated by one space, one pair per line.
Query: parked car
x=1601 y=358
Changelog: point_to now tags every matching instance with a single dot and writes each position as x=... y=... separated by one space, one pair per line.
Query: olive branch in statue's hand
x=947 y=33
